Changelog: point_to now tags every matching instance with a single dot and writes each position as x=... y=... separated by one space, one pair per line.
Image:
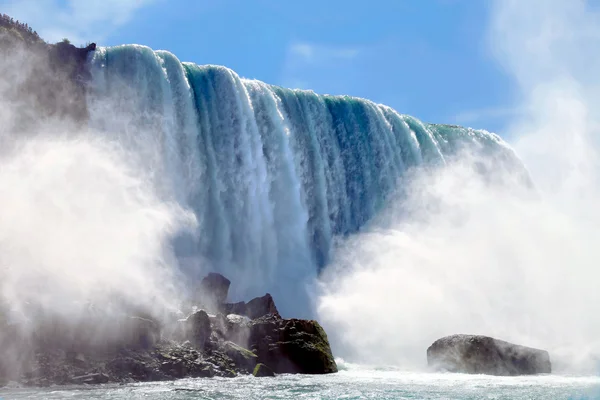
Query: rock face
x=474 y=354
x=52 y=79
x=255 y=308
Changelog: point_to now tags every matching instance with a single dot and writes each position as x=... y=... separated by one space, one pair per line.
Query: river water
x=353 y=382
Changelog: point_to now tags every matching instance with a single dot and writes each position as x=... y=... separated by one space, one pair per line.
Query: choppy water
x=353 y=383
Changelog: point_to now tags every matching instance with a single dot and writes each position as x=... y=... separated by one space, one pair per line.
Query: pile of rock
x=218 y=339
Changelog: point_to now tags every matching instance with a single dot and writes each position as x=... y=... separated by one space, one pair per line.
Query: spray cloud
x=85 y=236
x=473 y=256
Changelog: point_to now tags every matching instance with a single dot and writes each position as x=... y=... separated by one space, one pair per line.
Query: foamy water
x=352 y=382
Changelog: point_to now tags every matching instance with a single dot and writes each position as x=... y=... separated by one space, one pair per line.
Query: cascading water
x=273 y=175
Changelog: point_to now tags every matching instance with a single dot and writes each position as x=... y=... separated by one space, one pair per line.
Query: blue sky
x=427 y=58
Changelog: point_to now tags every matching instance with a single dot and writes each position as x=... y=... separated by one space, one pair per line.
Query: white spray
x=476 y=257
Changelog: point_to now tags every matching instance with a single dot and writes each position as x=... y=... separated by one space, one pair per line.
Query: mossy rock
x=261 y=370
x=243 y=358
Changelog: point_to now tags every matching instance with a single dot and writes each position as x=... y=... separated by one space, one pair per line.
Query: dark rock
x=235 y=308
x=205 y=371
x=255 y=308
x=91 y=378
x=175 y=368
x=475 y=354
x=198 y=328
x=140 y=332
x=261 y=370
x=213 y=290
x=130 y=367
x=291 y=345
x=261 y=306
x=244 y=359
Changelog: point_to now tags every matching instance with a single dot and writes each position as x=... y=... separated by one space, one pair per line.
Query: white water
x=353 y=382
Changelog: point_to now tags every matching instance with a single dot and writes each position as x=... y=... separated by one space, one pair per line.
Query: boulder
x=291 y=345
x=261 y=370
x=475 y=354
x=214 y=289
x=197 y=328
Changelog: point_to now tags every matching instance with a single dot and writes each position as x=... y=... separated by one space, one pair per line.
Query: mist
x=85 y=236
x=457 y=252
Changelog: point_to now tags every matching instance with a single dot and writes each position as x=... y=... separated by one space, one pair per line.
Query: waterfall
x=273 y=175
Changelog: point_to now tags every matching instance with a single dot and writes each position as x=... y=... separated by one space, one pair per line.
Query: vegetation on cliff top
x=19 y=30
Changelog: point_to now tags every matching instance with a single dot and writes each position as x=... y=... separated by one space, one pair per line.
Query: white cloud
x=477 y=115
x=80 y=21
x=307 y=64
x=313 y=53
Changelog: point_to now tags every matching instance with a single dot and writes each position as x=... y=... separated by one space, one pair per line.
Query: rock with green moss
x=244 y=359
x=261 y=370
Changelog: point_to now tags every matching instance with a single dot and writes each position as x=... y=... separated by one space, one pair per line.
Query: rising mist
x=482 y=258
x=85 y=237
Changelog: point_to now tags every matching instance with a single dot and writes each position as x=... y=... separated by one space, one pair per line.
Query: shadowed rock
x=198 y=328
x=261 y=306
x=292 y=346
x=475 y=354
x=213 y=291
x=255 y=308
x=261 y=370
x=243 y=358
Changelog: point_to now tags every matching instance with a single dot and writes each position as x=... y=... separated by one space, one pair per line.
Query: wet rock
x=91 y=379
x=291 y=346
x=244 y=359
x=175 y=368
x=261 y=370
x=475 y=354
x=197 y=328
x=203 y=371
x=130 y=367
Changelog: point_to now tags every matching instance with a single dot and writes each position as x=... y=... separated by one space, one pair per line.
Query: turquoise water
x=353 y=383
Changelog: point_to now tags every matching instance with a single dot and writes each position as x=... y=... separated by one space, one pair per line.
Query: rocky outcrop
x=291 y=345
x=214 y=289
x=255 y=308
x=47 y=80
x=474 y=354
x=203 y=344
